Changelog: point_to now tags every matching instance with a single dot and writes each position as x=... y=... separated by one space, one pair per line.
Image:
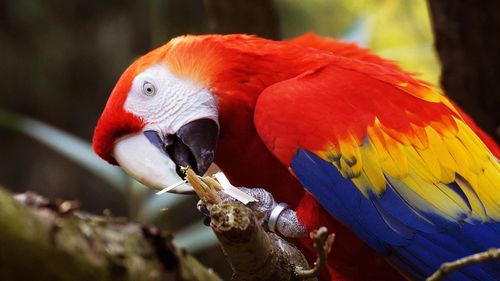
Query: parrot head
x=159 y=118
x=168 y=108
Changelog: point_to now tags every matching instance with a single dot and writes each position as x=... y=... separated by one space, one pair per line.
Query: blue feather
x=399 y=208
x=311 y=174
x=440 y=222
x=416 y=241
x=439 y=248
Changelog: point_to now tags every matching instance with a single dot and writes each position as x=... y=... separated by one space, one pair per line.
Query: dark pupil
x=149 y=90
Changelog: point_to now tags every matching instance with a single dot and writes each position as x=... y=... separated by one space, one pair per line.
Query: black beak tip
x=201 y=137
x=204 y=161
x=193 y=145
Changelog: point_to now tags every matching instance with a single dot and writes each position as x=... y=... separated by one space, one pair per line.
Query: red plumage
x=332 y=91
x=243 y=156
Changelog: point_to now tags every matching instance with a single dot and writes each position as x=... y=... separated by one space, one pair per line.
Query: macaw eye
x=148 y=89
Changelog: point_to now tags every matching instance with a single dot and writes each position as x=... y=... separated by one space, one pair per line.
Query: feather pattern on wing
x=392 y=158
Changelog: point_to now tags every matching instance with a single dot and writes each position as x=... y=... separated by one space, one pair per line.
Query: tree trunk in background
x=140 y=15
x=467 y=36
x=257 y=17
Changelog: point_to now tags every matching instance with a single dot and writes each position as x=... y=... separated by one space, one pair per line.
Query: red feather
x=333 y=92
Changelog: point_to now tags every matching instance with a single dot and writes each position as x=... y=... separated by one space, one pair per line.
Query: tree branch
x=448 y=267
x=323 y=244
x=50 y=240
x=253 y=253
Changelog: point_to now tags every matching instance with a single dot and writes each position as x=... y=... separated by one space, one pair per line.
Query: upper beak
x=156 y=160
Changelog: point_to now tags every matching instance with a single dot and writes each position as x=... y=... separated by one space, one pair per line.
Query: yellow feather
x=438 y=147
x=466 y=129
x=376 y=138
x=453 y=196
x=429 y=93
x=478 y=167
x=428 y=197
x=442 y=129
x=446 y=200
x=346 y=169
x=329 y=154
x=358 y=163
x=394 y=134
x=351 y=161
x=478 y=153
x=478 y=210
x=421 y=167
x=491 y=173
x=431 y=163
x=460 y=155
x=417 y=165
x=347 y=150
x=418 y=137
x=488 y=194
x=495 y=163
x=362 y=184
x=397 y=165
x=447 y=175
x=371 y=169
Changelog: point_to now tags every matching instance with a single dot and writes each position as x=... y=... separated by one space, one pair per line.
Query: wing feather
x=388 y=156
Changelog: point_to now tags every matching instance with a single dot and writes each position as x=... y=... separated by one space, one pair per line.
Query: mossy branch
x=51 y=240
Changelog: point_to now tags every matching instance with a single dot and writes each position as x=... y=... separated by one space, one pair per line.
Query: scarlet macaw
x=386 y=160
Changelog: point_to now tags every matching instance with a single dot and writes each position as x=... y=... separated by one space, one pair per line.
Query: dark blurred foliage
x=60 y=60
x=238 y=16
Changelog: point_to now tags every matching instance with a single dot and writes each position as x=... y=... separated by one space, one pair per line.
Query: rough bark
x=257 y=17
x=44 y=240
x=467 y=39
x=252 y=253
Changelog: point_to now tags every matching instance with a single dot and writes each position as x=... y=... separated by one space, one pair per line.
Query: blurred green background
x=60 y=60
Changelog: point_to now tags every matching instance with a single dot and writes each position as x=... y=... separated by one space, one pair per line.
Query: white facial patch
x=166 y=102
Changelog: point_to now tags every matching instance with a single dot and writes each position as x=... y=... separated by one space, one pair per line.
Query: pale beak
x=156 y=160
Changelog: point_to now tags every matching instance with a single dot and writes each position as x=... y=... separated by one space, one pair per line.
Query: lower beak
x=156 y=160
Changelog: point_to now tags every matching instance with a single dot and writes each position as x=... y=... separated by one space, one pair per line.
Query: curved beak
x=156 y=160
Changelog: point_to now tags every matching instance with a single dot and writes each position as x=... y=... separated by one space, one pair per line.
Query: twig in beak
x=168 y=188
x=212 y=183
x=206 y=192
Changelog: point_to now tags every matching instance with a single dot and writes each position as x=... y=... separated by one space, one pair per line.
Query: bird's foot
x=273 y=216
